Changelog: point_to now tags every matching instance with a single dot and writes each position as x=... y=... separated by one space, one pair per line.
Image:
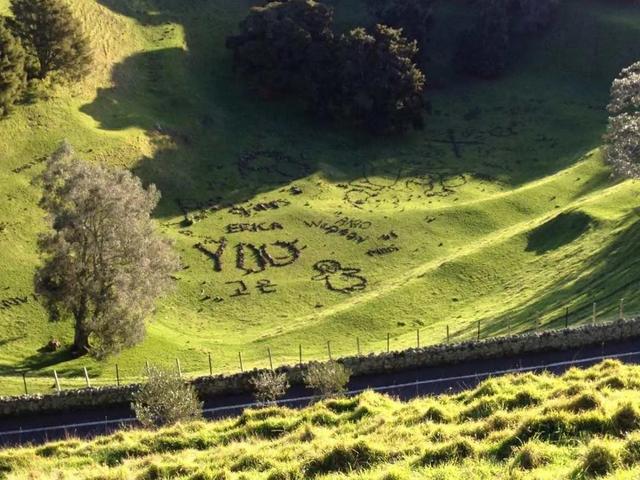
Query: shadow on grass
x=205 y=123
x=609 y=276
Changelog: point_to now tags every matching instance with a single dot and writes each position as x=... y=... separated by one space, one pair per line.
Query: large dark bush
x=13 y=78
x=282 y=44
x=367 y=78
x=414 y=17
x=483 y=50
x=380 y=85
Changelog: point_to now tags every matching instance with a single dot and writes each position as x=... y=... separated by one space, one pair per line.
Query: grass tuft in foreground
x=537 y=427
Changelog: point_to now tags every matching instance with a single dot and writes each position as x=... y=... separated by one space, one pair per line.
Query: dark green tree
x=13 y=77
x=52 y=36
x=282 y=46
x=531 y=16
x=414 y=17
x=483 y=51
x=380 y=86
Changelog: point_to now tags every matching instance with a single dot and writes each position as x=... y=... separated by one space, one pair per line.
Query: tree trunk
x=81 y=338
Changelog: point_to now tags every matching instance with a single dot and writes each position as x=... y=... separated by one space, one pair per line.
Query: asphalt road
x=404 y=385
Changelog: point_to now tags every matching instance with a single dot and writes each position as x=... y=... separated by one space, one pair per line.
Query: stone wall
x=444 y=354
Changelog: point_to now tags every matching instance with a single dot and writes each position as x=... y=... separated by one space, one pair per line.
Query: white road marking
x=122 y=421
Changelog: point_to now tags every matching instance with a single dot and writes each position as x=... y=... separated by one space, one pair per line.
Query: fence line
x=472 y=330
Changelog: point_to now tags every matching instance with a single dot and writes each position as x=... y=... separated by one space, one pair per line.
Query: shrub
x=328 y=378
x=165 y=399
x=455 y=451
x=626 y=418
x=13 y=77
x=52 y=36
x=599 y=459
x=269 y=386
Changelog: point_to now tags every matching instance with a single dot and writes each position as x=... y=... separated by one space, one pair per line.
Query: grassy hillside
x=501 y=210
x=584 y=424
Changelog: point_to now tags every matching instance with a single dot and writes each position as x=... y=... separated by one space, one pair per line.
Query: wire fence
x=48 y=381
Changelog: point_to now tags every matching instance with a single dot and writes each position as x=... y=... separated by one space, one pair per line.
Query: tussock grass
x=593 y=434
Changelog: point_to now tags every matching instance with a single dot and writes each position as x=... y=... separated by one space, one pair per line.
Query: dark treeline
x=41 y=40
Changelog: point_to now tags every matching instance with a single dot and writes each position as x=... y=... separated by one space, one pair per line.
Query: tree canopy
x=380 y=85
x=623 y=134
x=52 y=36
x=13 y=77
x=104 y=264
x=281 y=43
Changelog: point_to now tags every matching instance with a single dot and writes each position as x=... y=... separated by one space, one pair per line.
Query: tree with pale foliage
x=327 y=379
x=104 y=264
x=269 y=386
x=165 y=399
x=622 y=149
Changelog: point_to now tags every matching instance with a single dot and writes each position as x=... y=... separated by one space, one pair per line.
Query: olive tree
x=380 y=86
x=53 y=37
x=269 y=386
x=327 y=379
x=13 y=77
x=104 y=264
x=622 y=149
x=165 y=399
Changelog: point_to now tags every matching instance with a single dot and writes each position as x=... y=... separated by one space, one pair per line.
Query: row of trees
x=368 y=77
x=41 y=40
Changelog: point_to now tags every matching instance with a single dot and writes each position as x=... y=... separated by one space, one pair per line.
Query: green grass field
x=584 y=424
x=501 y=210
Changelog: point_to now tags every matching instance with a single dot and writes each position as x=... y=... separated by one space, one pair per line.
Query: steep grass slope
x=585 y=424
x=501 y=210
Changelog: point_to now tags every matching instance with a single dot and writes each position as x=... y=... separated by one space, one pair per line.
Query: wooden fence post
x=622 y=309
x=55 y=376
x=24 y=381
x=117 y=375
x=270 y=359
x=210 y=365
x=478 y=329
x=240 y=358
x=358 y=345
x=566 y=318
x=329 y=348
x=418 y=337
x=86 y=377
x=593 y=320
x=448 y=336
